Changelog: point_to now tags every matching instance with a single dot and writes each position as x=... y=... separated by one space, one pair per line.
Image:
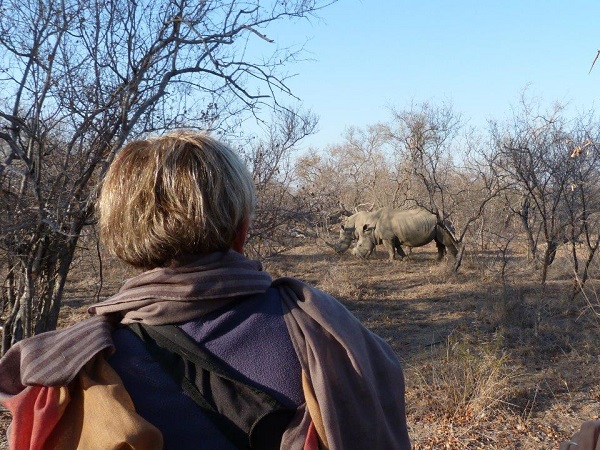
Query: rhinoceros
x=353 y=226
x=413 y=227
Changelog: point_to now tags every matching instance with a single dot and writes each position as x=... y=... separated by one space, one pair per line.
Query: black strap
x=248 y=416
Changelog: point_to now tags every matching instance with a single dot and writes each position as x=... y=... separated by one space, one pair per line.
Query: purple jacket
x=250 y=336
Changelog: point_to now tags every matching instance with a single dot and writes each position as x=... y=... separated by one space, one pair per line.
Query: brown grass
x=492 y=359
x=463 y=378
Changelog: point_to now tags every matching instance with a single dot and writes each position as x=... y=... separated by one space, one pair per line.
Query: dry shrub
x=591 y=296
x=461 y=380
x=490 y=265
x=342 y=283
x=501 y=264
x=94 y=275
x=437 y=273
x=589 y=289
x=69 y=316
x=506 y=308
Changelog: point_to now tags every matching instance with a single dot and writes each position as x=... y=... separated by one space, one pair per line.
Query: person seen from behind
x=202 y=349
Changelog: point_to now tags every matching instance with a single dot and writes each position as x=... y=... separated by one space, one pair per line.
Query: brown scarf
x=352 y=379
x=185 y=292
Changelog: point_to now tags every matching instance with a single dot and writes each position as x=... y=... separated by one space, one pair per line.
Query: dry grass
x=462 y=379
x=492 y=360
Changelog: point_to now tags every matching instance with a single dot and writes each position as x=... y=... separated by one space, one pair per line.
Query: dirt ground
x=543 y=349
x=492 y=360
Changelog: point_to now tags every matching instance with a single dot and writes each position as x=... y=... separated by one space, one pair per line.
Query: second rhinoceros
x=413 y=227
x=353 y=226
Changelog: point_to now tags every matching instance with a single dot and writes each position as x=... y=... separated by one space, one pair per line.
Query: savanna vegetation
x=498 y=344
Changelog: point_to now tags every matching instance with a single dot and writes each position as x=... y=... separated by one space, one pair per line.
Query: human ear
x=240 y=237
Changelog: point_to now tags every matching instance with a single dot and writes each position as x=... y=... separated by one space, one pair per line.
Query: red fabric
x=312 y=438
x=36 y=410
x=93 y=412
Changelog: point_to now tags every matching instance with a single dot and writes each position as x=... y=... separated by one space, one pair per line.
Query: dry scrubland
x=488 y=364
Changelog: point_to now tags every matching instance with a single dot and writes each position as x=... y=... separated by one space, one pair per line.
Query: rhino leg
x=441 y=248
x=446 y=240
x=398 y=248
x=391 y=249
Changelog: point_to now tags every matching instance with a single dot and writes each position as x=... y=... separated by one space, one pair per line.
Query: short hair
x=184 y=193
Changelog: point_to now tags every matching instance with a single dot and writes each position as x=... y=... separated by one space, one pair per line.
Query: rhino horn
x=333 y=246
x=337 y=247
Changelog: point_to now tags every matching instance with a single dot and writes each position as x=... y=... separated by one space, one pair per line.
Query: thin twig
x=595 y=59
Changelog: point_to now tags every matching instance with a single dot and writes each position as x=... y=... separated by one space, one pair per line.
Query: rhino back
x=413 y=227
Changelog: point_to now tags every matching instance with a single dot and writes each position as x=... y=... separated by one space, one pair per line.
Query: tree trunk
x=580 y=281
x=532 y=248
x=40 y=291
x=18 y=325
x=48 y=319
x=549 y=256
x=459 y=258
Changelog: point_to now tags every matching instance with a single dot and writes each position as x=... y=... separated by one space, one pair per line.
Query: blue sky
x=368 y=56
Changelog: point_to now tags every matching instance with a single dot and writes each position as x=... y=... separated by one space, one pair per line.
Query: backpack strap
x=248 y=416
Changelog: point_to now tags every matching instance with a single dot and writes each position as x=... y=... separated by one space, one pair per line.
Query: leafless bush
x=80 y=79
x=460 y=380
x=506 y=307
x=590 y=292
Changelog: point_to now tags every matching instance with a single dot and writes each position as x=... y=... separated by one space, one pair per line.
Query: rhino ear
x=367 y=227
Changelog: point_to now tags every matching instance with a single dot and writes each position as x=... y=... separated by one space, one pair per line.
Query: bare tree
x=365 y=154
x=582 y=198
x=78 y=79
x=474 y=196
x=358 y=171
x=281 y=211
x=424 y=140
x=533 y=151
x=423 y=136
